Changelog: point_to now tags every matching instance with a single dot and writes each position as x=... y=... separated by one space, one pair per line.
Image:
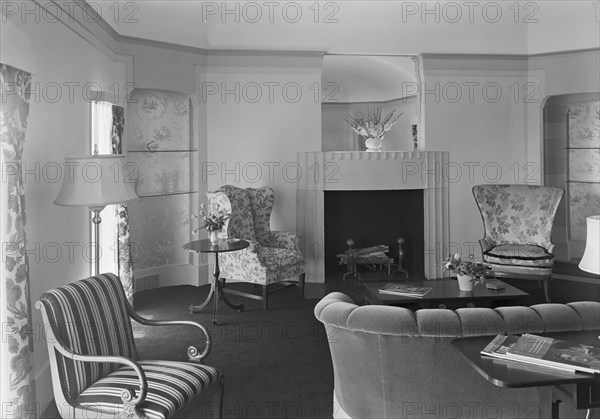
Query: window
x=103 y=132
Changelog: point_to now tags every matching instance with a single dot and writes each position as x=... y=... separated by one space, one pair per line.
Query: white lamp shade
x=590 y=262
x=95 y=181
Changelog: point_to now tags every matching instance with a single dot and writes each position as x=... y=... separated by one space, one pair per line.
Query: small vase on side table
x=213 y=236
x=465 y=282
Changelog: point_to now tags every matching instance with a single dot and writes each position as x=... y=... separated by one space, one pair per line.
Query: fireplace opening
x=372 y=218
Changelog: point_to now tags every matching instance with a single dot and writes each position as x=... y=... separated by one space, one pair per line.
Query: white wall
x=494 y=141
x=58 y=125
x=485 y=132
x=253 y=136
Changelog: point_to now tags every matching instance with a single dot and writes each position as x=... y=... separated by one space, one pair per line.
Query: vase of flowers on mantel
x=372 y=127
x=468 y=273
x=213 y=223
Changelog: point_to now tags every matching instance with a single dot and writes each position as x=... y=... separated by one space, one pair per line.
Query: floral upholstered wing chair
x=518 y=221
x=272 y=257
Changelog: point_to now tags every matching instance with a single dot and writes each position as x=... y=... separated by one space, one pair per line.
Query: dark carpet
x=276 y=363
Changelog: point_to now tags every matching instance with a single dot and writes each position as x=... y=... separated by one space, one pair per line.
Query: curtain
x=123 y=242
x=17 y=355
x=101 y=130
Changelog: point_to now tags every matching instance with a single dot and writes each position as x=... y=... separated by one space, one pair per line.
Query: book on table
x=546 y=352
x=405 y=290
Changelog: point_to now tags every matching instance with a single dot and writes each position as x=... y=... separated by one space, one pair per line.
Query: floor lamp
x=95 y=182
x=590 y=262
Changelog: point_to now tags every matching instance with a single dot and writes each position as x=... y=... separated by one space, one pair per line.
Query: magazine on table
x=406 y=290
x=545 y=351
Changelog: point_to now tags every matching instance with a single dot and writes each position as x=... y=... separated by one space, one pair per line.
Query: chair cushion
x=171 y=386
x=519 y=254
x=277 y=258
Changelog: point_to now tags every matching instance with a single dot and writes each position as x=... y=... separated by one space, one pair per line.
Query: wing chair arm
x=282 y=239
x=193 y=353
x=486 y=244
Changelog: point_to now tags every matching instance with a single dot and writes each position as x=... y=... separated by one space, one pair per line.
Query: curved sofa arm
x=193 y=353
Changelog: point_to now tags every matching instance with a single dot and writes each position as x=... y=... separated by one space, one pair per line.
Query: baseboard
x=568 y=271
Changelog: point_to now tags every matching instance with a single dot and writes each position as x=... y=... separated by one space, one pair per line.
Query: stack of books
x=545 y=352
x=405 y=290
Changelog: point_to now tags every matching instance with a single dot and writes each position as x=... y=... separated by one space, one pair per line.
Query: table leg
x=196 y=309
x=238 y=307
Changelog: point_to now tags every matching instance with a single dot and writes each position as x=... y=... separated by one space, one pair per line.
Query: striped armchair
x=95 y=367
x=272 y=257
x=517 y=221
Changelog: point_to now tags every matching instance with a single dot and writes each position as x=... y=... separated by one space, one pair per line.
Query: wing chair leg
x=265 y=297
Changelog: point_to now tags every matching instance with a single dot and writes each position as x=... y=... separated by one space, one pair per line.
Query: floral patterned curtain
x=17 y=356
x=125 y=259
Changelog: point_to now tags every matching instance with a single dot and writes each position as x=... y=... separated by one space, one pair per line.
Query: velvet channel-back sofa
x=391 y=362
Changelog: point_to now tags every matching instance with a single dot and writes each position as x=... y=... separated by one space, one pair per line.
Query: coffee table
x=554 y=385
x=445 y=291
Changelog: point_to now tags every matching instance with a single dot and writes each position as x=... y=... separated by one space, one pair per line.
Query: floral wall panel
x=584 y=200
x=160 y=146
x=162 y=172
x=584 y=166
x=160 y=120
x=161 y=228
x=584 y=125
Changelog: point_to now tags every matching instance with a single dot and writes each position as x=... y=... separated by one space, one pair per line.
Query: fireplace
x=373 y=218
x=363 y=172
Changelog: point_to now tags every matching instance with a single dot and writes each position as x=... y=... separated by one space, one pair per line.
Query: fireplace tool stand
x=400 y=259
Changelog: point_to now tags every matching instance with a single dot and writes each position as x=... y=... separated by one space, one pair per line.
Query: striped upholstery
x=171 y=386
x=89 y=317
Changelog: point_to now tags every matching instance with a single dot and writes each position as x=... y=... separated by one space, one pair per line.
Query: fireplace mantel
x=361 y=170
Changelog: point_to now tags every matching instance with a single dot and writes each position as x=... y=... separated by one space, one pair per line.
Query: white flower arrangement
x=371 y=125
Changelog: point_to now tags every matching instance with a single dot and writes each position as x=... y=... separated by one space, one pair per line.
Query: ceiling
x=364 y=27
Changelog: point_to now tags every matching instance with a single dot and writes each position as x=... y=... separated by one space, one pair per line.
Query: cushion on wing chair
x=519 y=254
x=171 y=386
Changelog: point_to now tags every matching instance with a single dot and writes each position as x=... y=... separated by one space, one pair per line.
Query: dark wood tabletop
x=444 y=291
x=511 y=374
x=223 y=245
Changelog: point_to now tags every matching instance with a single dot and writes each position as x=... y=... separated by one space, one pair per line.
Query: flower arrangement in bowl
x=372 y=126
x=213 y=222
x=469 y=273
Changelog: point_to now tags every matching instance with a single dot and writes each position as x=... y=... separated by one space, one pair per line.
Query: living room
x=481 y=78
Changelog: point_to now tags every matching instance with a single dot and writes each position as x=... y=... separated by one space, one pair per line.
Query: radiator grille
x=146 y=283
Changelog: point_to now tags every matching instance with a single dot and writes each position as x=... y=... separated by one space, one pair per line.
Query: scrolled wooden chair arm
x=127 y=395
x=193 y=353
